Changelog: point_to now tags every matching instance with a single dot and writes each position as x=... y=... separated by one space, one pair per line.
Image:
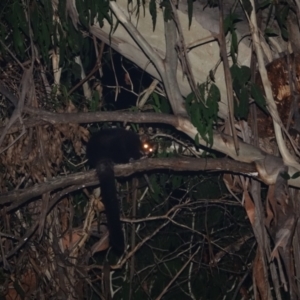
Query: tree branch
x=83 y=179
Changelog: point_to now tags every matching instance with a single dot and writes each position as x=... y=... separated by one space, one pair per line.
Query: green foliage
x=42 y=27
x=240 y=80
x=90 y=11
x=47 y=34
x=213 y=3
x=244 y=88
x=230 y=21
x=282 y=11
x=14 y=16
x=286 y=175
x=153 y=12
x=281 y=15
x=229 y=27
x=204 y=113
x=269 y=32
x=160 y=104
x=295 y=175
x=190 y=11
x=165 y=4
x=258 y=97
x=139 y=4
x=95 y=101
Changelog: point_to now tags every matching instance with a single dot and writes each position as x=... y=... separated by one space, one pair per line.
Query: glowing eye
x=146 y=146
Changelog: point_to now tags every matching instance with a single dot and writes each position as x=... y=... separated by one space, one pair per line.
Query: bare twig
x=178 y=273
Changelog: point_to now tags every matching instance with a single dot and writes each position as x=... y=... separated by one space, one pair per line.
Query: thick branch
x=63 y=118
x=83 y=179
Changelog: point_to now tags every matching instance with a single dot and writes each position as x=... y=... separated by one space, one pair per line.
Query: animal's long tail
x=105 y=172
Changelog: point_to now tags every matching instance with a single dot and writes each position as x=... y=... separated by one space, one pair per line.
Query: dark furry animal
x=106 y=147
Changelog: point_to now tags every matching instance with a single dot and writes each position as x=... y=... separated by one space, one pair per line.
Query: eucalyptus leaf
x=153 y=12
x=167 y=10
x=285 y=33
x=258 y=97
x=296 y=175
x=270 y=32
x=156 y=100
x=93 y=10
x=244 y=104
x=165 y=106
x=18 y=42
x=176 y=181
x=82 y=13
x=190 y=11
x=234 y=42
x=235 y=71
x=245 y=75
x=285 y=175
x=197 y=139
